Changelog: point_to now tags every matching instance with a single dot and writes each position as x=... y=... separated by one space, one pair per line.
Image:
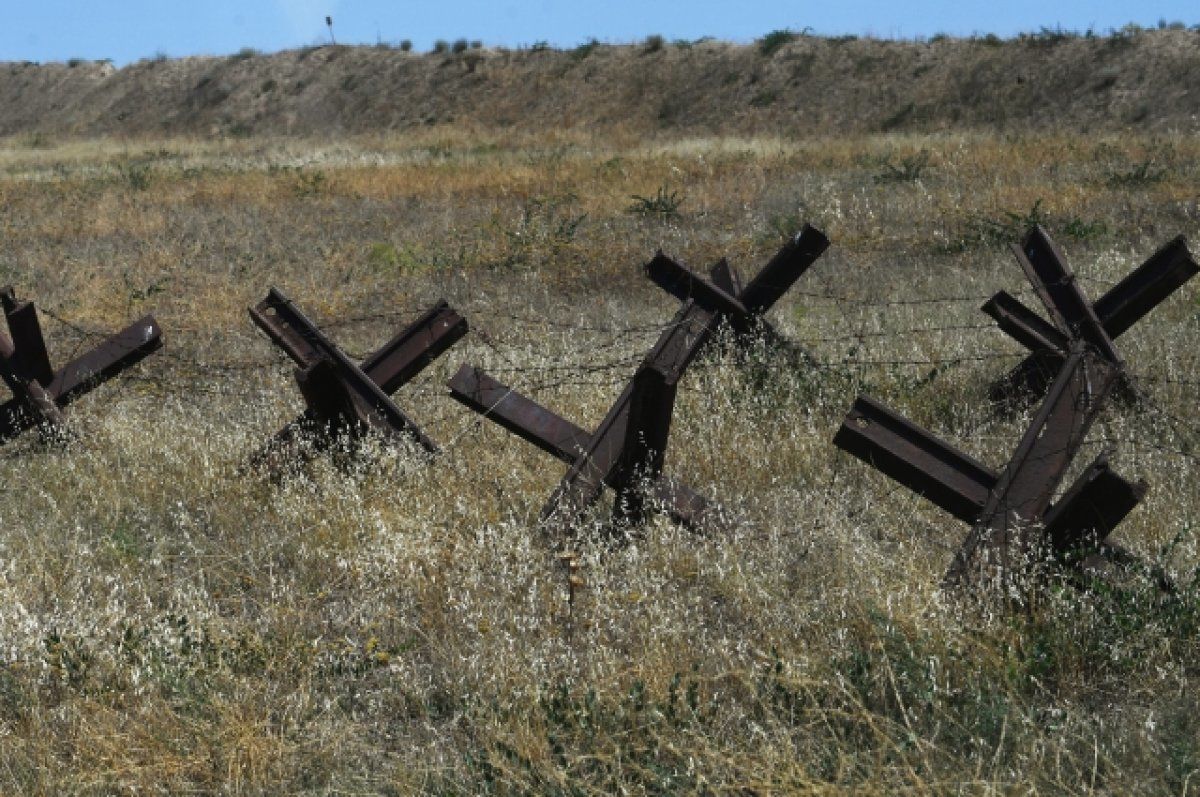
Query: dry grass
x=397 y=627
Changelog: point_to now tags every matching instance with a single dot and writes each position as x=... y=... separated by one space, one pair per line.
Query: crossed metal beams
x=1014 y=523
x=346 y=396
x=723 y=292
x=39 y=392
x=626 y=451
x=1072 y=316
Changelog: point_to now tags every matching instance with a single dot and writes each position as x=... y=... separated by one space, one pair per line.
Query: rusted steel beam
x=1002 y=535
x=395 y=363
x=1091 y=509
x=1084 y=516
x=415 y=347
x=684 y=284
x=38 y=392
x=328 y=397
x=1146 y=287
x=681 y=341
x=292 y=331
x=742 y=307
x=584 y=481
x=603 y=460
x=916 y=458
x=725 y=277
x=115 y=354
x=1025 y=326
x=562 y=439
x=129 y=346
x=520 y=415
x=27 y=338
x=651 y=405
x=31 y=404
x=1055 y=285
x=289 y=329
x=1116 y=311
x=782 y=271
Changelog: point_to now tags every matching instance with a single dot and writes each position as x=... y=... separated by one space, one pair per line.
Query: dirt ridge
x=810 y=85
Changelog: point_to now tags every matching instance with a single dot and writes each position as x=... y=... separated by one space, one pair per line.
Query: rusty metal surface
x=1091 y=509
x=681 y=341
x=782 y=271
x=391 y=366
x=292 y=331
x=562 y=439
x=916 y=458
x=1100 y=322
x=1059 y=291
x=1145 y=287
x=1023 y=492
x=327 y=396
x=38 y=392
x=1011 y=511
x=1025 y=326
x=399 y=360
x=523 y=417
x=129 y=346
x=1084 y=516
x=725 y=277
x=31 y=405
x=584 y=481
x=651 y=405
x=741 y=306
x=26 y=331
x=684 y=284
x=603 y=460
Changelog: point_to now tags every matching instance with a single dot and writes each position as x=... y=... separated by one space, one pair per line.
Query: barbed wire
x=611 y=356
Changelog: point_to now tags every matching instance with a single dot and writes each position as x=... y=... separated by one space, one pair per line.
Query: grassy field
x=396 y=626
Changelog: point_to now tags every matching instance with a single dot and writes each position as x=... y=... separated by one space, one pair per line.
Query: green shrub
x=584 y=50
x=663 y=204
x=774 y=40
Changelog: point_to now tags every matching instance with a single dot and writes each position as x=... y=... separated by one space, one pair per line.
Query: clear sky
x=126 y=30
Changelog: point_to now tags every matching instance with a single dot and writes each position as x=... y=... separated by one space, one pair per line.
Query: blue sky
x=55 y=30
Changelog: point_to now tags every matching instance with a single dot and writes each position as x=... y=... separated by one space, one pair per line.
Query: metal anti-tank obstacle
x=743 y=307
x=40 y=393
x=1014 y=523
x=1072 y=316
x=626 y=452
x=345 y=397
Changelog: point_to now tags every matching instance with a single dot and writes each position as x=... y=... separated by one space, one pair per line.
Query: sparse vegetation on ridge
x=785 y=83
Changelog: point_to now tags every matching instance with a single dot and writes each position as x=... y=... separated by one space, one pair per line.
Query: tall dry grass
x=396 y=626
